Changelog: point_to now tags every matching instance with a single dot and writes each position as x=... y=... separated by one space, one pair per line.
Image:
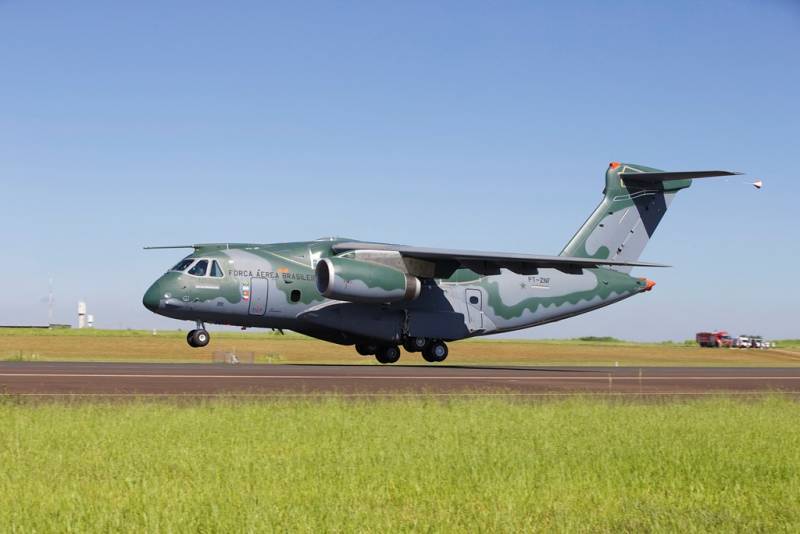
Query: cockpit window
x=182 y=265
x=199 y=268
x=216 y=271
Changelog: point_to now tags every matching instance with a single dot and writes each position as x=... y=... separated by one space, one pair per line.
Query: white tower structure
x=82 y=319
x=50 y=302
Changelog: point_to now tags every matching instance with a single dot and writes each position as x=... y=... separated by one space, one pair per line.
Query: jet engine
x=361 y=281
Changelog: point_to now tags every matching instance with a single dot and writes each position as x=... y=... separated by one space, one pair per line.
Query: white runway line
x=389 y=377
x=410 y=394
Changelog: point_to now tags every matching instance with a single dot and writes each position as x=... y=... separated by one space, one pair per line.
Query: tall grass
x=461 y=465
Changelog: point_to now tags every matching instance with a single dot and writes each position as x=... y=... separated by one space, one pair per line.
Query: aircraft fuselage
x=275 y=286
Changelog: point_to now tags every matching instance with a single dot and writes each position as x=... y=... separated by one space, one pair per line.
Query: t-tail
x=634 y=202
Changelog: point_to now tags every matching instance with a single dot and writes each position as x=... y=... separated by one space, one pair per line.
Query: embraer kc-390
x=379 y=296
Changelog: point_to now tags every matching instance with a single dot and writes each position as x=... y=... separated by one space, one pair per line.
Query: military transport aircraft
x=379 y=296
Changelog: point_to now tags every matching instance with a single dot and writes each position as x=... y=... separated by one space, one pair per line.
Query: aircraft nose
x=152 y=297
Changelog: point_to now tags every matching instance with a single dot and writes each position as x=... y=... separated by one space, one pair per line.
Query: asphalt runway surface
x=155 y=379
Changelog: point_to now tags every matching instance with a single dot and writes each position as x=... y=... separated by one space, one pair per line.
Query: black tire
x=435 y=352
x=415 y=344
x=201 y=338
x=190 y=338
x=388 y=354
x=365 y=350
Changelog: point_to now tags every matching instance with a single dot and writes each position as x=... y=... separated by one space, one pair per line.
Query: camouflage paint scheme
x=469 y=301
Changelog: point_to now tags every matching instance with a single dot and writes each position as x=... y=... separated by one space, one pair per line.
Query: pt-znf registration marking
x=539 y=282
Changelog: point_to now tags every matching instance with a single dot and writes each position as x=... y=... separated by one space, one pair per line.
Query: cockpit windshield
x=182 y=265
x=199 y=268
x=216 y=271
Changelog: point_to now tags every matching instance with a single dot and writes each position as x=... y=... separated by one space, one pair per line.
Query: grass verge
x=578 y=465
x=171 y=346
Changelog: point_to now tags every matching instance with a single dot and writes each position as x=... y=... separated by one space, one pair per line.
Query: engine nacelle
x=361 y=281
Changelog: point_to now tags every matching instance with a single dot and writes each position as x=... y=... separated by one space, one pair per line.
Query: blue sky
x=455 y=124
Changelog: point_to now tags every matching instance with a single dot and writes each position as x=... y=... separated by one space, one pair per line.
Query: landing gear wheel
x=366 y=350
x=435 y=352
x=389 y=354
x=415 y=344
x=198 y=338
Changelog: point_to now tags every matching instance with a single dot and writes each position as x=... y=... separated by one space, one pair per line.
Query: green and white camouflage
x=378 y=296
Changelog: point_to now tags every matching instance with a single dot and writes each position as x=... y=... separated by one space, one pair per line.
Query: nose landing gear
x=198 y=337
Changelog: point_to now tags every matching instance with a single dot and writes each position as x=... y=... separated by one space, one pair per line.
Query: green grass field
x=577 y=465
x=170 y=346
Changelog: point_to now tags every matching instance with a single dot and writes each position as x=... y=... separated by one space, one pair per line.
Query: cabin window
x=473 y=300
x=216 y=271
x=199 y=268
x=182 y=265
x=295 y=295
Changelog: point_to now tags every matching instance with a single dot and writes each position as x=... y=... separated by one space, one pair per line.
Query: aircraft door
x=259 y=291
x=474 y=299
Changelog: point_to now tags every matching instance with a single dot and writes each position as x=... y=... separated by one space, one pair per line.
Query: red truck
x=714 y=339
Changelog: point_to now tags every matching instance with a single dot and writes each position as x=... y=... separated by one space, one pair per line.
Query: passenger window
x=473 y=300
x=182 y=265
x=295 y=295
x=216 y=272
x=199 y=268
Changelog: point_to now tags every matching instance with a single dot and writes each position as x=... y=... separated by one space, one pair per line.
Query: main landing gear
x=433 y=350
x=388 y=354
x=198 y=337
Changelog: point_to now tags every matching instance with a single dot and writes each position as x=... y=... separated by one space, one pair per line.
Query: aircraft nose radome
x=152 y=297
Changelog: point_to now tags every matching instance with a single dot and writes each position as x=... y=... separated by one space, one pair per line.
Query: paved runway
x=130 y=379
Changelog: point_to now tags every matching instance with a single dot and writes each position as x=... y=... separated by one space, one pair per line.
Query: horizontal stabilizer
x=682 y=175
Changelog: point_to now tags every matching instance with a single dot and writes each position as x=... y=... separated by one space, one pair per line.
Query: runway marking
x=411 y=394
x=604 y=377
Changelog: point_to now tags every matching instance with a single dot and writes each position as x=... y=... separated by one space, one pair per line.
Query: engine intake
x=361 y=281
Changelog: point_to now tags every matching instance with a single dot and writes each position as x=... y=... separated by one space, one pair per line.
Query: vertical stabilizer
x=628 y=215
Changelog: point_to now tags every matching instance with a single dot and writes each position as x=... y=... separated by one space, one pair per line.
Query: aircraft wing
x=448 y=260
